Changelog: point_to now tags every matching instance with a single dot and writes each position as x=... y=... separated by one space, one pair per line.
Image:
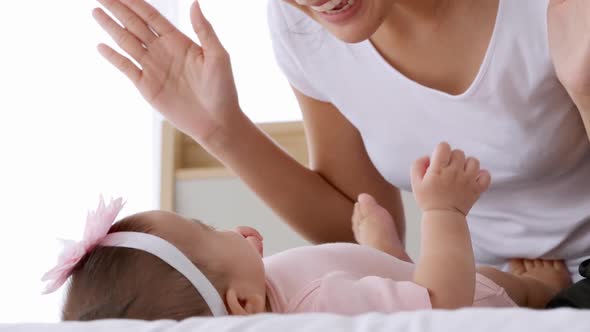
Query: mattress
x=471 y=319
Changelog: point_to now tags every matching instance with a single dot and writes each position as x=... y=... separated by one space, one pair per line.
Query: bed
x=481 y=320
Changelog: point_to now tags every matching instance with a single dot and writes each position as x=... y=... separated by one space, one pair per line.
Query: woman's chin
x=350 y=36
x=363 y=21
x=353 y=32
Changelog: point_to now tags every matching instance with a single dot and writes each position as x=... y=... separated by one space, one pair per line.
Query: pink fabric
x=489 y=294
x=349 y=279
x=97 y=227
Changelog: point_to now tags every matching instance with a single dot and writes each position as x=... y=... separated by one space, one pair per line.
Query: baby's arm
x=446 y=266
x=446 y=188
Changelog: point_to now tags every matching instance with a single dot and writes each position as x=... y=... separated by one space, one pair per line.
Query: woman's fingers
x=130 y=20
x=204 y=30
x=122 y=63
x=150 y=15
x=127 y=41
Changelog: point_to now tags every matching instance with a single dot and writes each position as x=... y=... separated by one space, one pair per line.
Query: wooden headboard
x=184 y=159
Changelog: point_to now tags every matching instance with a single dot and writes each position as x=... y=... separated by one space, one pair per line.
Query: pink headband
x=96 y=234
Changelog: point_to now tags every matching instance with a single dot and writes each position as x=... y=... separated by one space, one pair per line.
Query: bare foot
x=373 y=226
x=543 y=278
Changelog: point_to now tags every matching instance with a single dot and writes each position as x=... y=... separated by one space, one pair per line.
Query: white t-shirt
x=515 y=117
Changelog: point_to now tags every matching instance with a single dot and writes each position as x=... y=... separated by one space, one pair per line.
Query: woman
x=380 y=83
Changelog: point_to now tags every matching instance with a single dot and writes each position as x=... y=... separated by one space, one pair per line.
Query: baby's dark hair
x=114 y=282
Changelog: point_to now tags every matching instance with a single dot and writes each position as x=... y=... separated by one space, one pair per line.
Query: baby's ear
x=242 y=305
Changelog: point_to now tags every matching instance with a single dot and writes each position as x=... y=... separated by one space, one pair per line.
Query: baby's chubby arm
x=446 y=187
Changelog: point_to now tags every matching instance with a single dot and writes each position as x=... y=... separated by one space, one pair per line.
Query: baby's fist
x=448 y=181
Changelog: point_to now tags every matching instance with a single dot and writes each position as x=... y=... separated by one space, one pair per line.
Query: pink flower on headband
x=97 y=227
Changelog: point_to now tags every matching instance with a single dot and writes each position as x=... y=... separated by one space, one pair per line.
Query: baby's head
x=119 y=282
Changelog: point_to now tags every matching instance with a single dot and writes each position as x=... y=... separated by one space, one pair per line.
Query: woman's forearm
x=446 y=266
x=304 y=199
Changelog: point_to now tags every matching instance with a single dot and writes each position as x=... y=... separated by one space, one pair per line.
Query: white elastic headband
x=167 y=252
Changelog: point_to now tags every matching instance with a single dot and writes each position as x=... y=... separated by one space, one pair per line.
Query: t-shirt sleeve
x=283 y=45
x=341 y=293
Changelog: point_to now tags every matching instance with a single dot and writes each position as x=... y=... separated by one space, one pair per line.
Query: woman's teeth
x=329 y=7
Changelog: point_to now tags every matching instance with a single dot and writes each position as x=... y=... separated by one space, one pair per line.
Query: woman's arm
x=317 y=202
x=338 y=154
x=569 y=42
x=192 y=85
x=583 y=104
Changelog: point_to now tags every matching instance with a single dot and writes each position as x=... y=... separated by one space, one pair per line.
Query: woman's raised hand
x=191 y=85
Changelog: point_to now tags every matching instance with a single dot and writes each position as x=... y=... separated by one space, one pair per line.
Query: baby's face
x=237 y=253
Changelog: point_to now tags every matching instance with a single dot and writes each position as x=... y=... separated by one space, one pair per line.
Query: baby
x=159 y=265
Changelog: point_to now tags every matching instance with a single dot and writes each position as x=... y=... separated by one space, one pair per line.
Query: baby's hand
x=448 y=181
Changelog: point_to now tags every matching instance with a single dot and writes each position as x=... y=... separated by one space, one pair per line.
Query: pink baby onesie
x=350 y=279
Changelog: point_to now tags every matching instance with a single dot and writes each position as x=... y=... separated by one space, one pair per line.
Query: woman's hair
x=114 y=282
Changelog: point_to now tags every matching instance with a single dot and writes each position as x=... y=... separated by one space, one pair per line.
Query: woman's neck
x=410 y=17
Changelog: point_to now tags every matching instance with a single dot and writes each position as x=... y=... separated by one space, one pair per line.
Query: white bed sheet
x=480 y=320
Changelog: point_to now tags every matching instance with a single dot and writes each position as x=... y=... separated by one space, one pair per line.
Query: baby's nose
x=247 y=231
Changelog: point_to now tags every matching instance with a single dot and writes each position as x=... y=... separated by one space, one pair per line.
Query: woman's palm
x=192 y=86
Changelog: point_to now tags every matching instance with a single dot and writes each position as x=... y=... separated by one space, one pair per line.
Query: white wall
x=227 y=202
x=72 y=127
